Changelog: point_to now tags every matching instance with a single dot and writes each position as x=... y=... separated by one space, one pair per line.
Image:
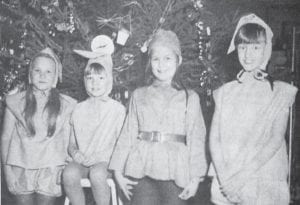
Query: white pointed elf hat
x=102 y=48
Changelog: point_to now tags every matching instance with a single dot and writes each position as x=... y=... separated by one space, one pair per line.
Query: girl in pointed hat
x=247 y=138
x=160 y=155
x=96 y=124
x=36 y=134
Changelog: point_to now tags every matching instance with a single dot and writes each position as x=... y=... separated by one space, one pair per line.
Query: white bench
x=114 y=198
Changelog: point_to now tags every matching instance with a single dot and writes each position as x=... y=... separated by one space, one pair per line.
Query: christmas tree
x=30 y=25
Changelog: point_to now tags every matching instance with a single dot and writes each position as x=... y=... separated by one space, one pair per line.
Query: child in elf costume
x=96 y=124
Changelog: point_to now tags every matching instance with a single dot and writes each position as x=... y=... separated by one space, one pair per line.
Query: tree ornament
x=200 y=28
x=4 y=49
x=128 y=59
x=27 y=61
x=122 y=37
x=198 y=4
x=14 y=4
x=11 y=49
x=51 y=31
x=127 y=56
x=112 y=22
x=22 y=45
x=114 y=35
x=3 y=19
x=35 y=4
x=190 y=15
x=144 y=49
x=71 y=23
x=208 y=31
x=55 y=3
x=24 y=34
x=47 y=9
x=162 y=20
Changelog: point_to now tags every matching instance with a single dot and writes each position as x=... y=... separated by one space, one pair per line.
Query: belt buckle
x=156 y=136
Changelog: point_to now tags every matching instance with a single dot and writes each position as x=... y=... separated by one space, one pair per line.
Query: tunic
x=39 y=151
x=246 y=114
x=164 y=109
x=96 y=127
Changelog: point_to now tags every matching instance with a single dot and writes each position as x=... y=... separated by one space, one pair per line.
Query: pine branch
x=13 y=13
x=41 y=32
x=18 y=59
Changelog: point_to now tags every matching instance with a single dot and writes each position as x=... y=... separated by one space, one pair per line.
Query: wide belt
x=161 y=137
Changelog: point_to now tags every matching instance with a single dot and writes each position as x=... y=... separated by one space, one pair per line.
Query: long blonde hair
x=52 y=107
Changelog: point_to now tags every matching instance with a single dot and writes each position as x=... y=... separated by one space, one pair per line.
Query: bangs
x=250 y=34
x=94 y=68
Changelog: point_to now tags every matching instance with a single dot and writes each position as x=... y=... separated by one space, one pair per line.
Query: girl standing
x=36 y=134
x=96 y=124
x=249 y=156
x=159 y=158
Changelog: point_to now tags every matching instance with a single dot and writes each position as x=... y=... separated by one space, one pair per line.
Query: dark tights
x=34 y=199
x=156 y=192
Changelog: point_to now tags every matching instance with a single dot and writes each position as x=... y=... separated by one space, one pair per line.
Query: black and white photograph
x=150 y=102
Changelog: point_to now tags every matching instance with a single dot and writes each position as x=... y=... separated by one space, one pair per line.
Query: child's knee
x=71 y=175
x=99 y=173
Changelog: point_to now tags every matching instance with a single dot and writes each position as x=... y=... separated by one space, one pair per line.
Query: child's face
x=43 y=74
x=251 y=56
x=164 y=63
x=96 y=84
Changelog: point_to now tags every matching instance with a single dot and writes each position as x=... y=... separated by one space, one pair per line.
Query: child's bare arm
x=73 y=149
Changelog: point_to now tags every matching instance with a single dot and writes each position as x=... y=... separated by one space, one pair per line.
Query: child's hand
x=89 y=161
x=235 y=183
x=232 y=186
x=233 y=198
x=79 y=157
x=125 y=184
x=10 y=178
x=190 y=190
